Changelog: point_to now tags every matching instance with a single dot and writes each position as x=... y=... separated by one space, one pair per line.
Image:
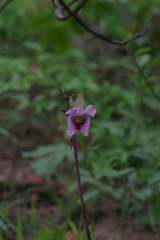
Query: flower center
x=79 y=119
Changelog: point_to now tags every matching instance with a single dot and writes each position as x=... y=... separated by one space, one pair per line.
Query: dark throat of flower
x=79 y=119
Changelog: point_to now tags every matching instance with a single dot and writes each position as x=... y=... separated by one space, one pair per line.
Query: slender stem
x=80 y=188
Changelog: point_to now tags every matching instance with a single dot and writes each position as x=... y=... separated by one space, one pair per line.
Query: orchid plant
x=79 y=120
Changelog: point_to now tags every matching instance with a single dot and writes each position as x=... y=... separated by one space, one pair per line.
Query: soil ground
x=112 y=227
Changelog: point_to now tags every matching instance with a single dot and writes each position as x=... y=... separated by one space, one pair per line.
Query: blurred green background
x=121 y=156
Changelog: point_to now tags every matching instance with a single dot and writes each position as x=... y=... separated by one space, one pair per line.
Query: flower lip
x=79 y=118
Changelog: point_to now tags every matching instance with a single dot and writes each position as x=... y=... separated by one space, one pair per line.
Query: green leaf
x=48 y=157
x=143 y=59
x=154 y=180
x=139 y=195
x=19 y=225
x=73 y=227
x=5 y=132
x=90 y=195
x=46 y=233
x=89 y=179
x=113 y=173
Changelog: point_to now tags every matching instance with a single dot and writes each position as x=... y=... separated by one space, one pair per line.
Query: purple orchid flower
x=78 y=120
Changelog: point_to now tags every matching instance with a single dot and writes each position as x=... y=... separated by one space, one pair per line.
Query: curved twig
x=60 y=16
x=59 y=9
x=4 y=5
x=54 y=4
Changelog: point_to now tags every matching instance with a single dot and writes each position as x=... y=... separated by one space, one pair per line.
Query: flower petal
x=90 y=111
x=72 y=127
x=72 y=110
x=84 y=127
x=80 y=100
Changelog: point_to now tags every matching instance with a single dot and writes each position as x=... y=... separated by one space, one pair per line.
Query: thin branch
x=4 y=5
x=59 y=9
x=54 y=4
x=87 y=28
x=141 y=72
x=71 y=3
x=80 y=6
x=67 y=98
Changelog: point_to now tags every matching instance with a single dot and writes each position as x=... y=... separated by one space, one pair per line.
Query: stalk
x=80 y=188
